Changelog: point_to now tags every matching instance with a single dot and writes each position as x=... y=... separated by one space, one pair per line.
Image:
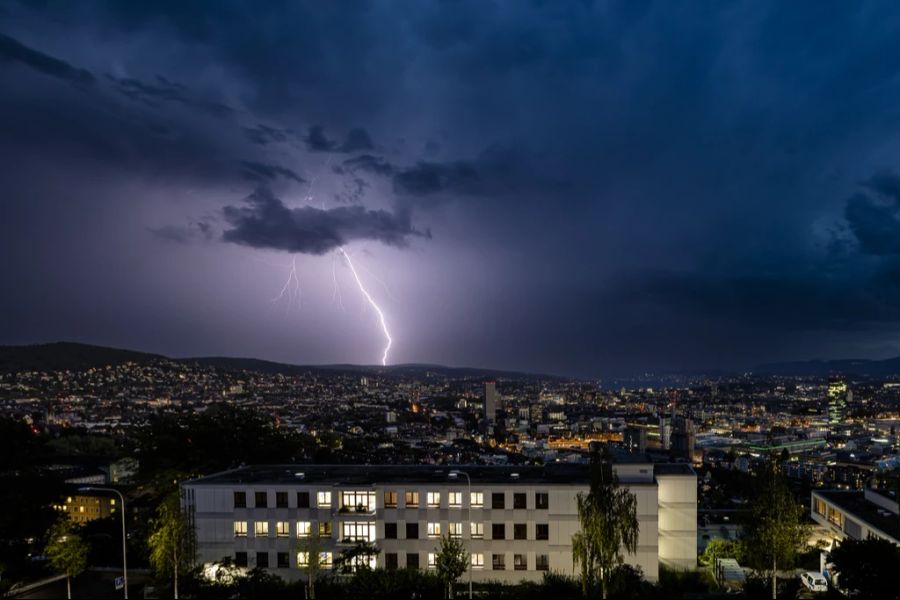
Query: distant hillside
x=823 y=368
x=62 y=356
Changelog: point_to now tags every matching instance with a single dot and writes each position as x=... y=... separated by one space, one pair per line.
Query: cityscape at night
x=414 y=299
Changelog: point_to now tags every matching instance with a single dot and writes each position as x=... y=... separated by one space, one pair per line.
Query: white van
x=814 y=581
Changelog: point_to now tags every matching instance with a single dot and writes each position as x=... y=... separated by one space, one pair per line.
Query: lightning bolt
x=291 y=288
x=336 y=291
x=373 y=304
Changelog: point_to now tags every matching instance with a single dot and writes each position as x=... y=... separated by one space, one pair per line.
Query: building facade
x=515 y=522
x=857 y=515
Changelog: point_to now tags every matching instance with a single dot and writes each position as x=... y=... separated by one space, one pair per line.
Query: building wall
x=843 y=523
x=666 y=513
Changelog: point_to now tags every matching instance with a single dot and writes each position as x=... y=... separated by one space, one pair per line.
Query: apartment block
x=515 y=522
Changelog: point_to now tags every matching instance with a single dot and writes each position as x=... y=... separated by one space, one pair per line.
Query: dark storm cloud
x=13 y=51
x=367 y=163
x=357 y=140
x=161 y=90
x=267 y=223
x=263 y=134
x=874 y=215
x=263 y=172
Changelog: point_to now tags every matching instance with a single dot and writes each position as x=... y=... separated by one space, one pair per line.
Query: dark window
x=302 y=499
x=497 y=500
x=542 y=562
x=261 y=500
x=542 y=531
x=240 y=499
x=281 y=500
x=412 y=560
x=390 y=531
x=390 y=561
x=519 y=501
x=325 y=529
x=412 y=532
x=283 y=561
x=498 y=562
x=520 y=531
x=240 y=559
x=520 y=562
x=262 y=560
x=542 y=500
x=498 y=531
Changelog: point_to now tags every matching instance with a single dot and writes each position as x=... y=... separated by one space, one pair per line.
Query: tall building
x=837 y=400
x=515 y=522
x=491 y=401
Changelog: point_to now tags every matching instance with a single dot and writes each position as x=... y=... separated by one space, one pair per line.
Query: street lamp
x=124 y=544
x=455 y=475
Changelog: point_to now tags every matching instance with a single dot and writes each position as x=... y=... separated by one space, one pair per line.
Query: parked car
x=814 y=581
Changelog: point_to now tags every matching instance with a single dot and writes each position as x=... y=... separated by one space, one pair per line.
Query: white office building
x=515 y=522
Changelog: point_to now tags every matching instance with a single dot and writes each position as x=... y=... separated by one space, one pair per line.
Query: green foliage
x=355 y=558
x=381 y=584
x=677 y=583
x=66 y=549
x=172 y=541
x=608 y=521
x=313 y=546
x=451 y=560
x=627 y=581
x=719 y=548
x=868 y=567
x=777 y=530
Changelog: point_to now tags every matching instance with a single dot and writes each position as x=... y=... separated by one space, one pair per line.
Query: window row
x=282 y=560
x=476 y=560
x=356 y=531
x=364 y=501
x=391 y=561
x=476 y=530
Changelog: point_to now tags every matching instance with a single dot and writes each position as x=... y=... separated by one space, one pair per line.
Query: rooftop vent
x=514 y=475
x=300 y=475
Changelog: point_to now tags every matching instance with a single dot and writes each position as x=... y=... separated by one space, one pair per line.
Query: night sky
x=581 y=188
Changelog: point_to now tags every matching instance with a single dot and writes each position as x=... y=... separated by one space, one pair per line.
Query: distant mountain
x=823 y=368
x=63 y=356
x=66 y=356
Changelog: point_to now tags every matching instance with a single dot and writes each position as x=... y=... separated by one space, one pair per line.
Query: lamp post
x=454 y=475
x=124 y=542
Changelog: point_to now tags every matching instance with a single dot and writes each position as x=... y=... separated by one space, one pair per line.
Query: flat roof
x=855 y=505
x=554 y=473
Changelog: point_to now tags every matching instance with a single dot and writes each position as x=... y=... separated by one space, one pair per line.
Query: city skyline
x=582 y=189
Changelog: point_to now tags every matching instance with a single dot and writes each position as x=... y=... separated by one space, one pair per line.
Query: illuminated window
x=434 y=530
x=390 y=499
x=240 y=529
x=357 y=531
x=434 y=499
x=432 y=560
x=358 y=501
x=476 y=499
x=261 y=528
x=282 y=529
x=477 y=530
x=302 y=560
x=304 y=528
x=455 y=530
x=323 y=499
x=325 y=529
x=454 y=499
x=412 y=499
x=326 y=560
x=477 y=560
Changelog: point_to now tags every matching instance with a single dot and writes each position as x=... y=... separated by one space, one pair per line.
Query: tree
x=172 y=541
x=451 y=561
x=719 y=548
x=867 y=566
x=777 y=531
x=608 y=521
x=356 y=557
x=310 y=549
x=67 y=551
